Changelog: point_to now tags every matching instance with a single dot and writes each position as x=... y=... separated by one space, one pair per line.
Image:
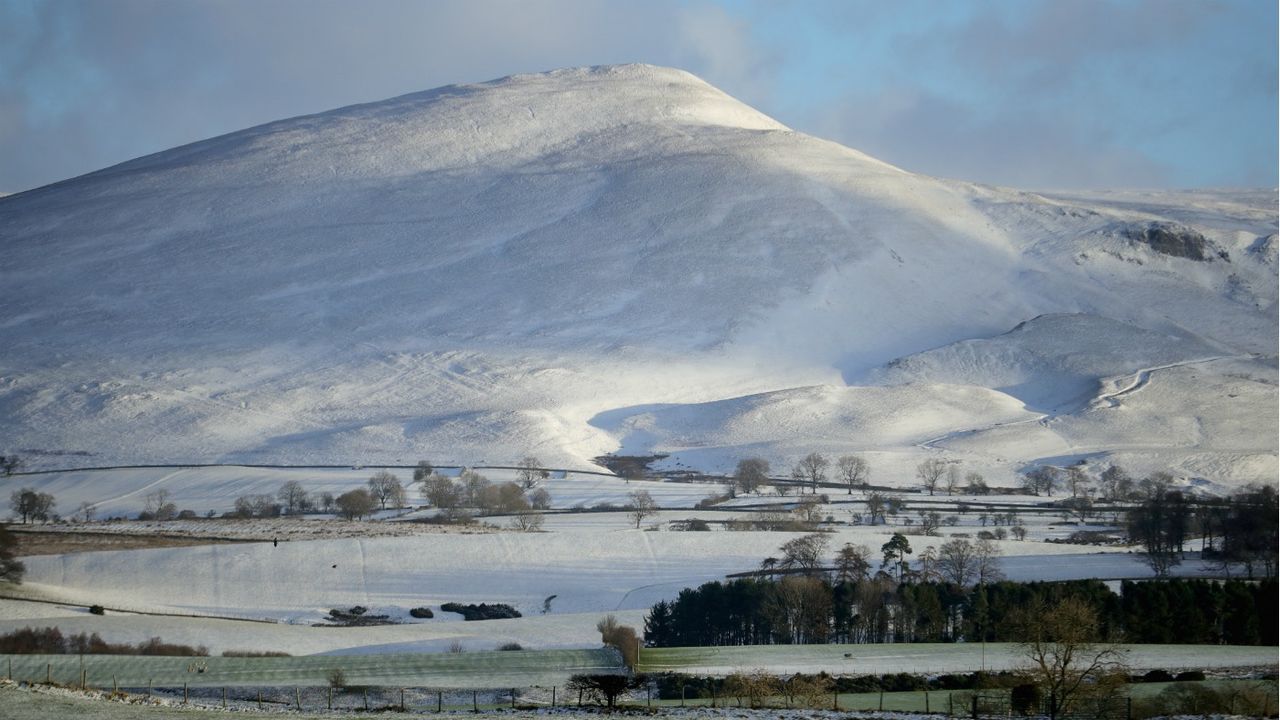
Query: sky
x=1026 y=93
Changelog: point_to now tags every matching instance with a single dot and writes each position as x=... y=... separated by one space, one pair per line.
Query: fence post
x=224 y=698
x=115 y=686
x=259 y=698
x=184 y=693
x=882 y=698
x=1128 y=707
x=926 y=701
x=648 y=696
x=975 y=706
x=513 y=698
x=366 y=699
x=402 y=700
x=329 y=699
x=297 y=696
x=553 y=696
x=84 y=679
x=835 y=700
x=439 y=700
x=148 y=688
x=48 y=673
x=475 y=704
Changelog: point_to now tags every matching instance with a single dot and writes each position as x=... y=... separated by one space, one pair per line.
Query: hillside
x=589 y=260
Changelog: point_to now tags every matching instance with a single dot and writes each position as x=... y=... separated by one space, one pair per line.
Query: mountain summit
x=588 y=260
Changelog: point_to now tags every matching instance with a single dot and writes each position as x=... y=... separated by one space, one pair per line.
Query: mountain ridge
x=483 y=269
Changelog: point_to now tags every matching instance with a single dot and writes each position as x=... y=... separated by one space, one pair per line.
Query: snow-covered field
x=582 y=566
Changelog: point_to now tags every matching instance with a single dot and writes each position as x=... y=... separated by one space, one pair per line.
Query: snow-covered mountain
x=577 y=262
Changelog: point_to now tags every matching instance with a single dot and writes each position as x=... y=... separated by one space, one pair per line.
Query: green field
x=925 y=658
x=525 y=668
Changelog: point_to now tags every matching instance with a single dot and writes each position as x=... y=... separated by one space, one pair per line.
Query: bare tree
x=854 y=471
x=804 y=553
x=1161 y=524
x=326 y=501
x=86 y=512
x=530 y=472
x=952 y=480
x=1116 y=484
x=930 y=472
x=751 y=474
x=32 y=505
x=988 y=568
x=853 y=563
x=10 y=464
x=877 y=504
x=1066 y=655
x=293 y=496
x=527 y=520
x=1019 y=532
x=641 y=507
x=930 y=521
x=157 y=506
x=503 y=499
x=811 y=469
x=540 y=499
x=976 y=484
x=441 y=492
x=385 y=487
x=473 y=485
x=1076 y=481
x=957 y=562
x=1041 y=479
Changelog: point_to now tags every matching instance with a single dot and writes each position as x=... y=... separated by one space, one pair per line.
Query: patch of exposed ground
x=60 y=543
x=55 y=538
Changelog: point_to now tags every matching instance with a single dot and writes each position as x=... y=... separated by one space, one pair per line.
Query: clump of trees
x=861 y=608
x=471 y=493
x=31 y=505
x=355 y=504
x=51 y=641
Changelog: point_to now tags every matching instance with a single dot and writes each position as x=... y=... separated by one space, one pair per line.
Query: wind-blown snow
x=592 y=259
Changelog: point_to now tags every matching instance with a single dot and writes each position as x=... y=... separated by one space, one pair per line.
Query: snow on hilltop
x=540 y=263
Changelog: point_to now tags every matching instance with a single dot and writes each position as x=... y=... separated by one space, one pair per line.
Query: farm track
x=1138 y=380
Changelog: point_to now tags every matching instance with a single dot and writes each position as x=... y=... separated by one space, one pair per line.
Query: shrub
x=510 y=647
x=1190 y=675
x=50 y=641
x=497 y=611
x=1025 y=699
x=337 y=678
x=97 y=610
x=421 y=613
x=1157 y=676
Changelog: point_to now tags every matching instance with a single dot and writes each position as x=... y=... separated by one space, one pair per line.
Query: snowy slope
x=480 y=271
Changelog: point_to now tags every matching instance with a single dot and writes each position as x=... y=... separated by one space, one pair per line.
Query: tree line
x=808 y=609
